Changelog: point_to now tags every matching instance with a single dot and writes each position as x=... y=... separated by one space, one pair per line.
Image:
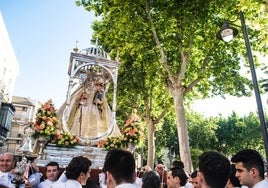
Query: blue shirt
x=7 y=177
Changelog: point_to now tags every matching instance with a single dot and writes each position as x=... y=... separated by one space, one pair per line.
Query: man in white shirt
x=176 y=178
x=7 y=171
x=213 y=170
x=52 y=174
x=7 y=163
x=119 y=168
x=249 y=167
x=76 y=174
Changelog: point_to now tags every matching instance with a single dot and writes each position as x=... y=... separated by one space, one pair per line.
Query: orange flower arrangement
x=131 y=133
x=46 y=121
x=46 y=125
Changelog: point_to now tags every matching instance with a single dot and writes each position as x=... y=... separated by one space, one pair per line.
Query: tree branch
x=185 y=56
x=163 y=59
x=163 y=113
x=202 y=71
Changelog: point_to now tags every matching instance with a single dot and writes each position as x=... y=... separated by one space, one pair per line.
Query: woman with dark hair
x=77 y=173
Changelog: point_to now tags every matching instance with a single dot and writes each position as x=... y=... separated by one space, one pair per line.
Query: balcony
x=6 y=115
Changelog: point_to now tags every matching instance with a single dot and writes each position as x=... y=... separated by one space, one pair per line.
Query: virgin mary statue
x=90 y=115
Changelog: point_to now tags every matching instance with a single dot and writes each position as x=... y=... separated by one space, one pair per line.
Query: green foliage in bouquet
x=65 y=139
x=111 y=142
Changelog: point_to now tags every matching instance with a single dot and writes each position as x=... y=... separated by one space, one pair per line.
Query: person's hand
x=27 y=183
x=12 y=171
x=160 y=167
x=147 y=168
x=35 y=167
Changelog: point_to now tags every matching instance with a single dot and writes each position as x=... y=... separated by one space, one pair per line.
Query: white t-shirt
x=5 y=178
x=68 y=183
x=102 y=180
x=45 y=184
x=261 y=184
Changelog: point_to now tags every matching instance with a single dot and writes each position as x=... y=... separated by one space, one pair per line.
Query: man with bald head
x=7 y=166
x=7 y=163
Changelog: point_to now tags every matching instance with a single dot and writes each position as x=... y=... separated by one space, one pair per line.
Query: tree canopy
x=176 y=41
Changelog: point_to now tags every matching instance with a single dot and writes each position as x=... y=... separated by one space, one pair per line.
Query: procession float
x=85 y=118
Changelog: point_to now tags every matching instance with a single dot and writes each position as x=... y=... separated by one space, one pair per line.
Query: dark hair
x=179 y=172
x=250 y=158
x=76 y=166
x=151 y=179
x=194 y=174
x=53 y=163
x=215 y=167
x=121 y=164
x=178 y=164
x=234 y=180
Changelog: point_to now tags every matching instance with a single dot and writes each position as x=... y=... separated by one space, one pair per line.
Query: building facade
x=9 y=70
x=25 y=112
x=9 y=66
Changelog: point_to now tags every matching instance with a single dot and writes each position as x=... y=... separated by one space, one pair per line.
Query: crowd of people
x=244 y=169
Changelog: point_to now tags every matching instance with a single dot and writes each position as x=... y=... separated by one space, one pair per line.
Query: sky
x=43 y=33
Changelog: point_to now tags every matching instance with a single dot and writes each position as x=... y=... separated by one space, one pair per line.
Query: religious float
x=86 y=117
x=86 y=123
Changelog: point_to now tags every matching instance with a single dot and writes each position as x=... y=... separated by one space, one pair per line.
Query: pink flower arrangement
x=132 y=131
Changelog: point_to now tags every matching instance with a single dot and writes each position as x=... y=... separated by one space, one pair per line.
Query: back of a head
x=215 y=168
x=76 y=166
x=151 y=179
x=178 y=164
x=250 y=158
x=121 y=164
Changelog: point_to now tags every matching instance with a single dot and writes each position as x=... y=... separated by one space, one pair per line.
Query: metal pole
x=255 y=84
